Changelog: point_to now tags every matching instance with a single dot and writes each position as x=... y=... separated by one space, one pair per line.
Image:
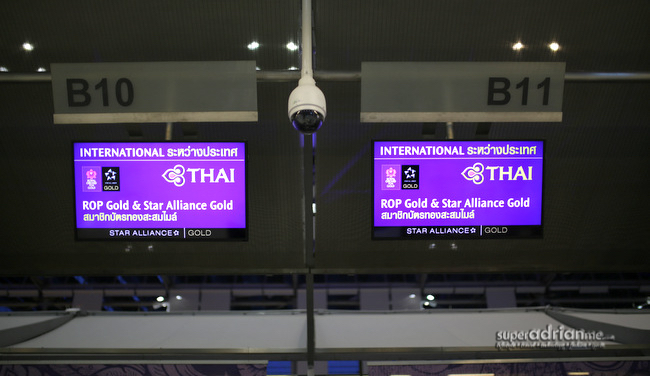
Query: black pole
x=309 y=248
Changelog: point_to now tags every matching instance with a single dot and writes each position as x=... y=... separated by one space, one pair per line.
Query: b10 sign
x=160 y=191
x=457 y=189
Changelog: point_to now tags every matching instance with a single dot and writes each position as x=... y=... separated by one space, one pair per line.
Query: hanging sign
x=461 y=92
x=158 y=92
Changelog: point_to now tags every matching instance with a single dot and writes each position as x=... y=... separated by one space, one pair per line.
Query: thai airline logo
x=177 y=176
x=509 y=173
x=474 y=173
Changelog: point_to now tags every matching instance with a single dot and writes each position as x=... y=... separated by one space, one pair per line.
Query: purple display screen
x=457 y=189
x=160 y=190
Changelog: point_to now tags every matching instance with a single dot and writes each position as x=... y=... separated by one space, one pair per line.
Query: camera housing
x=307 y=107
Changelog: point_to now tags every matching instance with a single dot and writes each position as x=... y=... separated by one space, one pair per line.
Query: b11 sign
x=457 y=189
x=160 y=191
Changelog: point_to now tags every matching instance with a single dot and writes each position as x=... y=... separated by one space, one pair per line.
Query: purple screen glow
x=457 y=189
x=160 y=190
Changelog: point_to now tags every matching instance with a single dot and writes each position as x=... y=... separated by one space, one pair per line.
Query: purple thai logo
x=474 y=173
x=497 y=173
x=389 y=177
x=89 y=179
x=410 y=177
x=175 y=175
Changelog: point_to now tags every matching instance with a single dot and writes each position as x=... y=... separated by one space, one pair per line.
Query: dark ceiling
x=597 y=206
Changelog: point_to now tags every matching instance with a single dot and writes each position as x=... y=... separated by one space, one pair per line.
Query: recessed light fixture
x=41 y=69
x=412 y=296
x=554 y=46
x=430 y=297
x=253 y=45
x=160 y=299
x=293 y=68
x=28 y=46
x=517 y=46
x=292 y=46
x=4 y=69
x=178 y=297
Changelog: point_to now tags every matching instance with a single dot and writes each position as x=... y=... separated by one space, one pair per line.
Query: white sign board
x=157 y=92
x=461 y=92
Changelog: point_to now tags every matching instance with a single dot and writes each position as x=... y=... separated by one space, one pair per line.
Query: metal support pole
x=450 y=130
x=168 y=131
x=352 y=76
x=311 y=332
x=306 y=69
x=308 y=173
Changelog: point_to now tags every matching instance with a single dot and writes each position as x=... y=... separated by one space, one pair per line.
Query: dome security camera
x=307 y=108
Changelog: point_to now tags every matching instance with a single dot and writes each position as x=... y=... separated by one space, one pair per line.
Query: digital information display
x=160 y=191
x=457 y=189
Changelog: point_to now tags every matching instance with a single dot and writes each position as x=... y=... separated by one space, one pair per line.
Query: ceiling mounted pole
x=307 y=107
x=307 y=68
x=307 y=113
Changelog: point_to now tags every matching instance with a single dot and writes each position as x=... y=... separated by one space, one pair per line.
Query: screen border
x=451 y=238
x=246 y=229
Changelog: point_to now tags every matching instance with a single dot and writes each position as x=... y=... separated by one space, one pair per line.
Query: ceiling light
x=554 y=46
x=178 y=297
x=292 y=46
x=28 y=46
x=517 y=46
x=293 y=68
x=160 y=299
x=41 y=69
x=253 y=45
x=4 y=69
x=430 y=297
x=412 y=296
x=426 y=303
